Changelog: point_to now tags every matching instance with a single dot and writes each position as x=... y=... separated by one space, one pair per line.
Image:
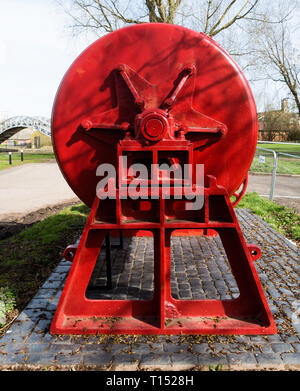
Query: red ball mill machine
x=158 y=93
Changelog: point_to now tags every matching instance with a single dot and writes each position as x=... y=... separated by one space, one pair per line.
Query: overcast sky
x=36 y=49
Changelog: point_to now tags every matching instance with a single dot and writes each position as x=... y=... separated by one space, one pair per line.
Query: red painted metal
x=70 y=251
x=240 y=193
x=247 y=314
x=182 y=100
x=255 y=251
x=156 y=55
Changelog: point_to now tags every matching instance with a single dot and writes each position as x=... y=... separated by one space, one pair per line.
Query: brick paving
x=199 y=270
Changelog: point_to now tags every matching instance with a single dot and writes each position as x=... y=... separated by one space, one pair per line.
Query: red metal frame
x=151 y=118
x=247 y=314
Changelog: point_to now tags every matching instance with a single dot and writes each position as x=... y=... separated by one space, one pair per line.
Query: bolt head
x=190 y=68
x=86 y=124
x=169 y=102
x=121 y=68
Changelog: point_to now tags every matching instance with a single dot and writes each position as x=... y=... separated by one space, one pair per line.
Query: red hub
x=152 y=124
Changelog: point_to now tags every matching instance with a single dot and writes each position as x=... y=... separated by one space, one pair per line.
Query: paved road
x=287 y=189
x=285 y=186
x=30 y=187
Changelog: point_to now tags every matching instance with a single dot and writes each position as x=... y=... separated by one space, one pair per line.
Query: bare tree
x=251 y=31
x=294 y=131
x=209 y=16
x=214 y=16
x=108 y=15
x=278 y=58
x=227 y=19
x=160 y=11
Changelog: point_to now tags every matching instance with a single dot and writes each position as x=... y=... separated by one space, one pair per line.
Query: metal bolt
x=125 y=126
x=121 y=68
x=169 y=102
x=222 y=130
x=86 y=124
x=190 y=68
x=140 y=103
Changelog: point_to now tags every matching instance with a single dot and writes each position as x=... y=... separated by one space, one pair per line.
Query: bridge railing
x=38 y=123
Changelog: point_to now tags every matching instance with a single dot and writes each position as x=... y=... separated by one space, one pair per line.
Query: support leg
x=108 y=261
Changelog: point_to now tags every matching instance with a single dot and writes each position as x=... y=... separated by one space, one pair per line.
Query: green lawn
x=28 y=258
x=29 y=157
x=293 y=149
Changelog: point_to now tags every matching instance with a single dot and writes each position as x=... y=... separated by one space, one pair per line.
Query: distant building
x=29 y=138
x=275 y=125
x=39 y=140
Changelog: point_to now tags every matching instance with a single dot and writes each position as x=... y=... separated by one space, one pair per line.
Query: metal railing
x=275 y=165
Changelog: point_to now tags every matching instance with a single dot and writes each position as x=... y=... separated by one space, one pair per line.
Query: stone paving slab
x=199 y=270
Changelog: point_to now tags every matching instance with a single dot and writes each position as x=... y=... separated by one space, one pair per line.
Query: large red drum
x=157 y=53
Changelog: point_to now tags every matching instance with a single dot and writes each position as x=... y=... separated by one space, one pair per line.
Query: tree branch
x=214 y=31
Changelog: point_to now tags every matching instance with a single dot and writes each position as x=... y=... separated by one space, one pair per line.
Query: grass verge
x=284 y=220
x=292 y=148
x=28 y=158
x=28 y=258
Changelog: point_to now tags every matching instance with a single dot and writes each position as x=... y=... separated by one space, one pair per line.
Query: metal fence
x=270 y=164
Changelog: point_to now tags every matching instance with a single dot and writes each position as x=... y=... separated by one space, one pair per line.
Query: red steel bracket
x=163 y=314
x=70 y=252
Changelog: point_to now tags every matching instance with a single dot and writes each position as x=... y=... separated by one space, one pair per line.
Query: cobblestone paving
x=199 y=270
